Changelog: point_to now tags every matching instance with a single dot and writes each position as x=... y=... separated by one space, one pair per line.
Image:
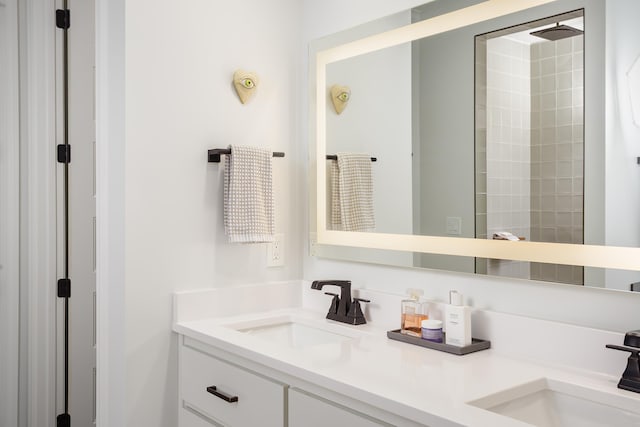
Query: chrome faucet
x=631 y=376
x=342 y=308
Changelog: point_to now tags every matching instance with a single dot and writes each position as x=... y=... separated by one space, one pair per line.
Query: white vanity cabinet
x=227 y=394
x=310 y=411
x=265 y=397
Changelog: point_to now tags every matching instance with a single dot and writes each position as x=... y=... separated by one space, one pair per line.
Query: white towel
x=248 y=195
x=352 y=193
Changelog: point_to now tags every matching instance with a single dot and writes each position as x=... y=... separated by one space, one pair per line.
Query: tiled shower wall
x=508 y=173
x=557 y=151
x=529 y=148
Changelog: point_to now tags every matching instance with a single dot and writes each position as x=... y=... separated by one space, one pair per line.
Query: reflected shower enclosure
x=529 y=136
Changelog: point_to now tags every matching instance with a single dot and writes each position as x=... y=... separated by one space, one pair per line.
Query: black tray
x=476 y=344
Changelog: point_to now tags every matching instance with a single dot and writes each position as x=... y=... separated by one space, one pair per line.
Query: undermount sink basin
x=552 y=403
x=295 y=332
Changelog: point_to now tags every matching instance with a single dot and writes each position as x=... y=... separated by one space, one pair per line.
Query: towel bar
x=335 y=157
x=214 y=154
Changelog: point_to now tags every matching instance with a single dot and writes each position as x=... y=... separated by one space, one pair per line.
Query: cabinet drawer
x=308 y=411
x=260 y=402
x=190 y=419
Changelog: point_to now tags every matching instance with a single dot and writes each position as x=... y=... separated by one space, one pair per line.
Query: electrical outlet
x=275 y=251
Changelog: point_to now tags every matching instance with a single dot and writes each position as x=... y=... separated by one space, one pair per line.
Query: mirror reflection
x=529 y=141
x=489 y=130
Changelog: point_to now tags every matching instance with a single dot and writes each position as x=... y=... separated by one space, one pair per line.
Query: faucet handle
x=632 y=338
x=334 y=302
x=631 y=376
x=355 y=315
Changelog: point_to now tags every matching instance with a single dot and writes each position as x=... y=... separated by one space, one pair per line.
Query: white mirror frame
x=626 y=258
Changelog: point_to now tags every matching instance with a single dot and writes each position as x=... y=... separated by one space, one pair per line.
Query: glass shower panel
x=9 y=214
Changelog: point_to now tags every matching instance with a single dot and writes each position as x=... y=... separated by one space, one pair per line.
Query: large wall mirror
x=505 y=137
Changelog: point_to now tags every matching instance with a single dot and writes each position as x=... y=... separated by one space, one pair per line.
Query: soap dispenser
x=413 y=313
x=457 y=321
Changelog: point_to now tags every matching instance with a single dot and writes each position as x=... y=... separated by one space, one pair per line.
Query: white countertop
x=423 y=385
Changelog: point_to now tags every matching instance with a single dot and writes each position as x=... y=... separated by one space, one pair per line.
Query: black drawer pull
x=213 y=390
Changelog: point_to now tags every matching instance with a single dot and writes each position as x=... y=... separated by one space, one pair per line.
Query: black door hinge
x=64 y=288
x=64 y=153
x=63 y=420
x=63 y=18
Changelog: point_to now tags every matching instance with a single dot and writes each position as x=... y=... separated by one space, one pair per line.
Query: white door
x=82 y=213
x=9 y=213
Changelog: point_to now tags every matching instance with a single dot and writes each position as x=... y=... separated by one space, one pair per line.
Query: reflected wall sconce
x=340 y=96
x=245 y=83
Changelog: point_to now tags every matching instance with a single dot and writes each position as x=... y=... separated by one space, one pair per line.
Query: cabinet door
x=227 y=394
x=308 y=411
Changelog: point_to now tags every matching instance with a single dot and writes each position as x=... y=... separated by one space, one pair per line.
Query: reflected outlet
x=454 y=225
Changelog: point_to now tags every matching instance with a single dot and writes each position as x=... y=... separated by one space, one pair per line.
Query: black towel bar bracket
x=213 y=155
x=335 y=157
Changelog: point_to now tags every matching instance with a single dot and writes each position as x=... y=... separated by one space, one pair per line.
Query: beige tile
x=577 y=116
x=578 y=168
x=548 y=152
x=578 y=133
x=564 y=117
x=577 y=203
x=564 y=186
x=548 y=101
x=564 y=133
x=548 y=169
x=548 y=135
x=534 y=69
x=563 y=46
x=548 y=119
x=547 y=49
x=563 y=169
x=564 y=81
x=578 y=60
x=548 y=83
x=563 y=219
x=563 y=203
x=577 y=78
x=563 y=151
x=577 y=98
x=548 y=186
x=564 y=63
x=548 y=66
x=578 y=43
x=565 y=98
x=577 y=186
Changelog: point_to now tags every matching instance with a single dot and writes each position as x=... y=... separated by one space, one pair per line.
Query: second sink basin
x=552 y=403
x=295 y=331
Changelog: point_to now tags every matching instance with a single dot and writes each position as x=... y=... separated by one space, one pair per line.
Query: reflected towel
x=248 y=195
x=352 y=193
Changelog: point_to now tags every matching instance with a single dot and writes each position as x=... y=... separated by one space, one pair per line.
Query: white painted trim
x=38 y=204
x=110 y=198
x=9 y=215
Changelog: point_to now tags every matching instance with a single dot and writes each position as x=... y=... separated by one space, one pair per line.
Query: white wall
x=623 y=172
x=591 y=307
x=165 y=73
x=179 y=102
x=9 y=214
x=380 y=84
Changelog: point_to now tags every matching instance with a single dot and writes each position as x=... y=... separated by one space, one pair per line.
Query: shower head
x=558 y=32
